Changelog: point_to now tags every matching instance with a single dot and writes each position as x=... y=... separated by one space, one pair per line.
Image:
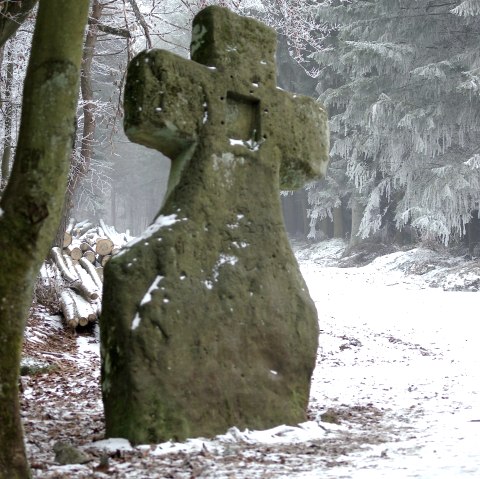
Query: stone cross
x=207 y=322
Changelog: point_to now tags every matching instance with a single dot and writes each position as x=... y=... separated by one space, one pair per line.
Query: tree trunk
x=82 y=165
x=300 y=199
x=143 y=23
x=33 y=198
x=89 y=110
x=338 y=222
x=357 y=215
x=323 y=228
x=14 y=13
x=7 y=142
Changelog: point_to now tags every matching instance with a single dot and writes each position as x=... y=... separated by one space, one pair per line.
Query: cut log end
x=105 y=259
x=104 y=246
x=67 y=240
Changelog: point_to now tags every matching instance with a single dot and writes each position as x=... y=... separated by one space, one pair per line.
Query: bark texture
x=338 y=230
x=31 y=205
x=7 y=142
x=13 y=14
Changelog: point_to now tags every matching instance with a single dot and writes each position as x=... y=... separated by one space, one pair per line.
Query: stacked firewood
x=86 y=250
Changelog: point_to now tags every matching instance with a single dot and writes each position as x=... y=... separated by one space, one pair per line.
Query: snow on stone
x=222 y=260
x=234 y=142
x=148 y=295
x=160 y=222
x=250 y=144
x=205 y=113
x=136 y=321
x=240 y=244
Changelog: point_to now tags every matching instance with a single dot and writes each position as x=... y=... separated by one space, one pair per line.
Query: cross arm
x=165 y=101
x=303 y=135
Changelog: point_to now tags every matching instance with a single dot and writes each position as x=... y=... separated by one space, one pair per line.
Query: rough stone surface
x=207 y=322
x=65 y=454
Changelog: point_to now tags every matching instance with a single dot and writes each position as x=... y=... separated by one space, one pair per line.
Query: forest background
x=400 y=78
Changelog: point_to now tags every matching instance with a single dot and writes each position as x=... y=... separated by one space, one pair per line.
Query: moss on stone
x=229 y=334
x=32 y=367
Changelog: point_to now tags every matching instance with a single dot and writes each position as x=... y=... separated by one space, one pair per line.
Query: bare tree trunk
x=31 y=205
x=301 y=207
x=357 y=215
x=89 y=110
x=323 y=227
x=13 y=14
x=7 y=142
x=82 y=165
x=338 y=231
x=143 y=23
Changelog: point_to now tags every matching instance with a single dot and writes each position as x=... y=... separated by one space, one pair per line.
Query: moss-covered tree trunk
x=31 y=205
x=13 y=14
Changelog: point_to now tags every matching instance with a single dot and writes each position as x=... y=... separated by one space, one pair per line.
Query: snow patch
x=87 y=346
x=113 y=444
x=250 y=144
x=136 y=321
x=148 y=295
x=160 y=222
x=222 y=260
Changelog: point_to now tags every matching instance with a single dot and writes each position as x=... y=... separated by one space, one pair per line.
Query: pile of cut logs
x=86 y=250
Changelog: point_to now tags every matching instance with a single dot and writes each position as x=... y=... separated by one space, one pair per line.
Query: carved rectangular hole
x=242 y=117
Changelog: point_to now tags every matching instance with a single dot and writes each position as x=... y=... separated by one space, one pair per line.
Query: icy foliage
x=467 y=8
x=402 y=91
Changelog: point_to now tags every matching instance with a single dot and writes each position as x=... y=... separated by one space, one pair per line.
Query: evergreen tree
x=401 y=80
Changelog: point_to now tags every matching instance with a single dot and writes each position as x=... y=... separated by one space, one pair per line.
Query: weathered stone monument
x=207 y=322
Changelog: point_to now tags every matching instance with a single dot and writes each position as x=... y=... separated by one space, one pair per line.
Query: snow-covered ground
x=395 y=393
x=390 y=340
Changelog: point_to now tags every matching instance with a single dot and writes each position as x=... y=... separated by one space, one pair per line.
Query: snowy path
x=409 y=350
x=395 y=393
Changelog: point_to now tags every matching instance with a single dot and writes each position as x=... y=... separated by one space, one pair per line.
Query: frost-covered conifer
x=405 y=109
